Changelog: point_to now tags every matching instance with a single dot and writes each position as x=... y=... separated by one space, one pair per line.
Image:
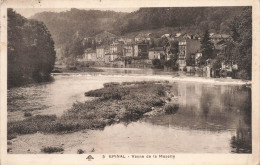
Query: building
x=195 y=36
x=89 y=55
x=110 y=57
x=141 y=50
x=128 y=50
x=217 y=39
x=186 y=49
x=101 y=51
x=142 y=37
x=117 y=47
x=105 y=37
x=125 y=40
x=155 y=53
x=186 y=36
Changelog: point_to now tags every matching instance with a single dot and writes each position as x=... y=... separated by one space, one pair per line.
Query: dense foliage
x=242 y=35
x=200 y=18
x=206 y=47
x=31 y=54
x=88 y=23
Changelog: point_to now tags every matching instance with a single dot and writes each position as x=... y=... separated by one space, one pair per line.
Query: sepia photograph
x=129 y=81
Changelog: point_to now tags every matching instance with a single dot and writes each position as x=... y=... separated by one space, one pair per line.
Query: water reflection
x=212 y=108
x=242 y=141
x=209 y=118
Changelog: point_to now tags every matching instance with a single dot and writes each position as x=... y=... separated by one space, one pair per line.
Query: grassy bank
x=115 y=102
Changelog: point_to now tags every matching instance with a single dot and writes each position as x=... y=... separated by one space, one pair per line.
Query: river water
x=212 y=118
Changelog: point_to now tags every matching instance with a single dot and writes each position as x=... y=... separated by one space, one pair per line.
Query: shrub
x=80 y=151
x=27 y=114
x=223 y=73
x=52 y=149
x=111 y=84
x=160 y=90
x=11 y=136
x=31 y=124
x=242 y=75
x=185 y=69
x=157 y=63
x=171 y=108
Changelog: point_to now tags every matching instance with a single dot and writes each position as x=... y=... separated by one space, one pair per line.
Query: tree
x=157 y=63
x=31 y=54
x=242 y=36
x=76 y=48
x=174 y=48
x=206 y=48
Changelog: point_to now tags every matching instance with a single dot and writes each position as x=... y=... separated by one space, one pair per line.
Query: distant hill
x=89 y=23
x=216 y=19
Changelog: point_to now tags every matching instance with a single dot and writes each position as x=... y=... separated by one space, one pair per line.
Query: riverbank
x=115 y=102
x=75 y=69
x=173 y=77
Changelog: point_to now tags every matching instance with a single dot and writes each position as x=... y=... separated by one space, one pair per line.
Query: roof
x=103 y=47
x=220 y=36
x=89 y=50
x=156 y=49
x=166 y=35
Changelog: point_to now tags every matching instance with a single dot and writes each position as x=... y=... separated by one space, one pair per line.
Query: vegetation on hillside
x=88 y=23
x=236 y=51
x=31 y=53
x=69 y=29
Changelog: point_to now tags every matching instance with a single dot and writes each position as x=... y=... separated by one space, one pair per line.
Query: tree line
x=88 y=23
x=30 y=53
x=236 y=51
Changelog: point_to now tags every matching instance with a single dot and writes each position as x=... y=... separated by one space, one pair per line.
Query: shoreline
x=215 y=81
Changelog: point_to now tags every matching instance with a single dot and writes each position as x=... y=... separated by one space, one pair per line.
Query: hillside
x=88 y=23
x=199 y=19
x=64 y=25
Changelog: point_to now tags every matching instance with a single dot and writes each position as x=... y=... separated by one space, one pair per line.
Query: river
x=212 y=117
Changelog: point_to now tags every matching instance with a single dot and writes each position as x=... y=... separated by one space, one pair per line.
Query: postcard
x=130 y=82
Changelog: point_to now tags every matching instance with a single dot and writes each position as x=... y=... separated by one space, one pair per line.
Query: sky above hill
x=28 y=12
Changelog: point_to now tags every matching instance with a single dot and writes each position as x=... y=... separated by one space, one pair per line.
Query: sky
x=28 y=12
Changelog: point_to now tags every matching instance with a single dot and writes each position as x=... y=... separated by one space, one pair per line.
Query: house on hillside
x=217 y=38
x=141 y=50
x=110 y=57
x=125 y=40
x=177 y=35
x=128 y=50
x=195 y=36
x=89 y=55
x=101 y=51
x=142 y=37
x=155 y=53
x=186 y=49
x=105 y=37
x=186 y=36
x=117 y=47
